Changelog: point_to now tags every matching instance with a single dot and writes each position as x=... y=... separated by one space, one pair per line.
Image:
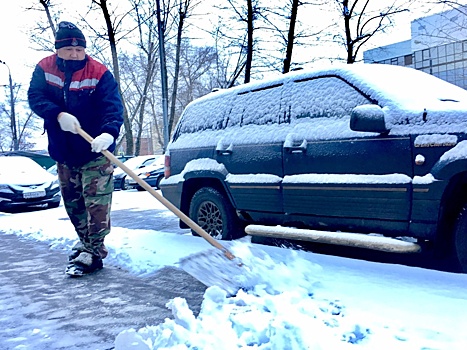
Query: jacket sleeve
x=37 y=96
x=111 y=107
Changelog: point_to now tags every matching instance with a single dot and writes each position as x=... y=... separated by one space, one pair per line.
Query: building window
x=408 y=60
x=442 y=51
x=450 y=49
x=426 y=54
x=394 y=61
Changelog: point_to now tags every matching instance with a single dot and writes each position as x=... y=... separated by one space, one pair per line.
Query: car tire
x=53 y=204
x=158 y=182
x=123 y=185
x=460 y=239
x=215 y=214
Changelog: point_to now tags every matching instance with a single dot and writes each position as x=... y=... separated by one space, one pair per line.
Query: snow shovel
x=200 y=266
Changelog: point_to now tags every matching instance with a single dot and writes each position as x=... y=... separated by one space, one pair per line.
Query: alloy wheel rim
x=210 y=219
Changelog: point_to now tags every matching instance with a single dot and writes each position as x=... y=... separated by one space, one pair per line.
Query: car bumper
x=6 y=204
x=130 y=183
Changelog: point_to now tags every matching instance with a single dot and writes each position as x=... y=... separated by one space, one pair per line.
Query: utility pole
x=14 y=133
x=165 y=93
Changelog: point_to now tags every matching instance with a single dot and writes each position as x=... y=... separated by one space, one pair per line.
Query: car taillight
x=167 y=166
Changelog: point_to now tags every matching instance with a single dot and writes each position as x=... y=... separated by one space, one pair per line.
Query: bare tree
x=147 y=29
x=291 y=36
x=284 y=31
x=230 y=61
x=184 y=10
x=43 y=32
x=196 y=72
x=24 y=121
x=248 y=16
x=245 y=12
x=112 y=24
x=362 y=22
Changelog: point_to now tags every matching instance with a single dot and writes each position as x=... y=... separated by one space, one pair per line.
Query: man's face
x=76 y=53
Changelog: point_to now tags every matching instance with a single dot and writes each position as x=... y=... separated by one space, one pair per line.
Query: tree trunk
x=347 y=13
x=249 y=53
x=148 y=81
x=182 y=15
x=46 y=5
x=291 y=36
x=116 y=71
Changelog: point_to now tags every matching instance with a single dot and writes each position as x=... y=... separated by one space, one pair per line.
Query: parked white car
x=152 y=174
x=24 y=183
x=134 y=164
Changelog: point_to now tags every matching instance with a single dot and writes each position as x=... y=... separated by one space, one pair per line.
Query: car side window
x=328 y=97
x=261 y=106
x=206 y=114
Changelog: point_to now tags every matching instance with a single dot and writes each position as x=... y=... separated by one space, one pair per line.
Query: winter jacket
x=85 y=89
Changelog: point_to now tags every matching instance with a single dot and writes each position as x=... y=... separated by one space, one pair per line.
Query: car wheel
x=214 y=213
x=123 y=186
x=460 y=239
x=158 y=182
x=53 y=204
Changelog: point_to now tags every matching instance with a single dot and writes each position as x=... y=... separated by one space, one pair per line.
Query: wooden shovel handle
x=193 y=225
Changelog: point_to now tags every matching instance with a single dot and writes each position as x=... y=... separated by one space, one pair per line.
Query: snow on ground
x=300 y=300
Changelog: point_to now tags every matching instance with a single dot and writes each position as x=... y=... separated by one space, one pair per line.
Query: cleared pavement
x=41 y=308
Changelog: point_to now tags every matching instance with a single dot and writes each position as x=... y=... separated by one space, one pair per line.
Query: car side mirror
x=368 y=118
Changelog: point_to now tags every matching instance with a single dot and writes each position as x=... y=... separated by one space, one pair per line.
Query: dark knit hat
x=69 y=35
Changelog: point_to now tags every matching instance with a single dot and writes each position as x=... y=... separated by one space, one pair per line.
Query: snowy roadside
x=300 y=300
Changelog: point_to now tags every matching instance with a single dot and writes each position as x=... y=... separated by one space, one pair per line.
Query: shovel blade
x=213 y=268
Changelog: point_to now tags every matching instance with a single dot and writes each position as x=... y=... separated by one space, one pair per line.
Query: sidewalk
x=43 y=309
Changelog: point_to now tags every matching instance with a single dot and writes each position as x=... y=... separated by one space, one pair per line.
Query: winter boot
x=74 y=254
x=85 y=263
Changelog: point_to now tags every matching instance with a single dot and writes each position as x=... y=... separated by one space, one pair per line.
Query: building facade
x=438 y=46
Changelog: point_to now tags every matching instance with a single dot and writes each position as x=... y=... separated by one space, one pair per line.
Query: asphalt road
x=43 y=309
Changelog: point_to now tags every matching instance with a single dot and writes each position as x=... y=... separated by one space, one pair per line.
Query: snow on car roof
x=404 y=94
x=389 y=81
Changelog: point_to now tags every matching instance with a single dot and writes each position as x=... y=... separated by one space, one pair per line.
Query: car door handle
x=292 y=146
x=296 y=149
x=224 y=152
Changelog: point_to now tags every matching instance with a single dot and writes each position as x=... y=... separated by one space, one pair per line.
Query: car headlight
x=55 y=183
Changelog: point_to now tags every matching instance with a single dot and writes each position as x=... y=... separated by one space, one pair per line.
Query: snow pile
x=280 y=312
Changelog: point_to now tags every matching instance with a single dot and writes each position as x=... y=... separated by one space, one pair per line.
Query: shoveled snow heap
x=281 y=312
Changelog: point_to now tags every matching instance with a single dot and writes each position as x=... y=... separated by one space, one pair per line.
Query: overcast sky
x=15 y=24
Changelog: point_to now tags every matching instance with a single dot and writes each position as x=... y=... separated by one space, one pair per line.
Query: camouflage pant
x=87 y=196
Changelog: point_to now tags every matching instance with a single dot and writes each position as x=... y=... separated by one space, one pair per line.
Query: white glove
x=102 y=142
x=68 y=122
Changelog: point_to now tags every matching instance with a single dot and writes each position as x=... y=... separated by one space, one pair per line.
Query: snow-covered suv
x=327 y=154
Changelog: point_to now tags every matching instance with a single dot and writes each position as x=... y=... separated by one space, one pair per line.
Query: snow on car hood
x=22 y=171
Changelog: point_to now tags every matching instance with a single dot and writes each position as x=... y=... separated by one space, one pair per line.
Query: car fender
x=452 y=162
x=203 y=170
